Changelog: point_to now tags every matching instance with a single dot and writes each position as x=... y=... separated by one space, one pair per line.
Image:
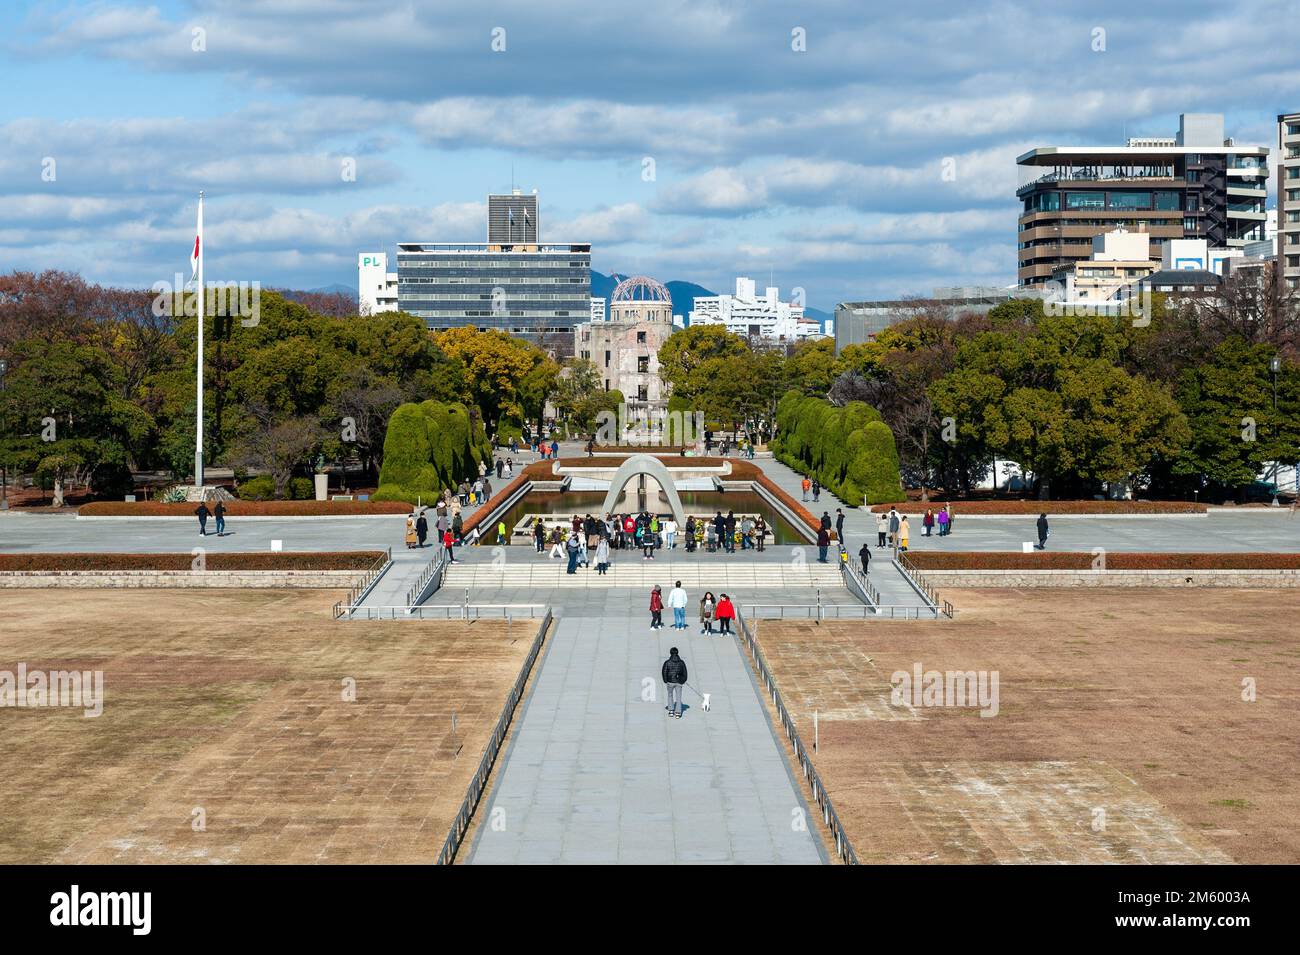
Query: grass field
x=225 y=736
x=1121 y=733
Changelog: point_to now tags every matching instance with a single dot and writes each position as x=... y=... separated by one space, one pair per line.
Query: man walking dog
x=674 y=676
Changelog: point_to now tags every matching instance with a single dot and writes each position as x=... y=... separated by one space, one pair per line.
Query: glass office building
x=537 y=292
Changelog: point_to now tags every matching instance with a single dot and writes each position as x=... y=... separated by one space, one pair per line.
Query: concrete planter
x=322 y=486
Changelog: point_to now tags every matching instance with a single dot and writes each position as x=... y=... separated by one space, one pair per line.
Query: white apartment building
x=597 y=309
x=376 y=286
x=745 y=313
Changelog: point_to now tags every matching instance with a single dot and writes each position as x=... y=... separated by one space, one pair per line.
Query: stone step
x=646 y=574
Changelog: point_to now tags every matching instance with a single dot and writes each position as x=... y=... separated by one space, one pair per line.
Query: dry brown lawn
x=227 y=706
x=1122 y=734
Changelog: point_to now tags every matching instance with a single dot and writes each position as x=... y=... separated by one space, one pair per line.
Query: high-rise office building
x=512 y=218
x=1196 y=185
x=1288 y=199
x=537 y=291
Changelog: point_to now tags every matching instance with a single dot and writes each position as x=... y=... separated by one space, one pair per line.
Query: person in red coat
x=656 y=609
x=447 y=542
x=726 y=613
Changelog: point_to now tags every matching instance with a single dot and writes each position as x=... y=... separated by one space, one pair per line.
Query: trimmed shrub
x=287 y=560
x=257 y=489
x=430 y=446
x=1065 y=560
x=242 y=508
x=302 y=489
x=849 y=450
x=1034 y=508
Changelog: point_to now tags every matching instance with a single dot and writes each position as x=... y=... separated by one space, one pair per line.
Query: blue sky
x=821 y=167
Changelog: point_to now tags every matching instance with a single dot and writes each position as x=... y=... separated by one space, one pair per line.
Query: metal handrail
x=913 y=574
x=375 y=571
x=855 y=578
x=436 y=566
x=460 y=611
x=841 y=611
x=843 y=847
x=460 y=825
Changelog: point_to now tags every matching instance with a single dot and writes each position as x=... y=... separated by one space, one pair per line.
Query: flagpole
x=198 y=425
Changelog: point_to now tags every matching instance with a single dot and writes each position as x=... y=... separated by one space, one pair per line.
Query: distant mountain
x=335 y=288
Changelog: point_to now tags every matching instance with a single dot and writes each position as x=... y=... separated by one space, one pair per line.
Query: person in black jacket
x=823 y=544
x=1042 y=531
x=865 y=556
x=201 y=512
x=839 y=525
x=674 y=674
x=422 y=528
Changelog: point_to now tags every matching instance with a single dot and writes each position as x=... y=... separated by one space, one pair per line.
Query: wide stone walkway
x=595 y=773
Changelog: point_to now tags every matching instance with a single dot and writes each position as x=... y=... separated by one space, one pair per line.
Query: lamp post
x=1274 y=367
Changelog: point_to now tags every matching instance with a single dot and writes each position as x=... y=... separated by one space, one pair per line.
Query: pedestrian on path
x=806 y=485
x=421 y=529
x=823 y=542
x=1043 y=531
x=839 y=525
x=864 y=555
x=882 y=528
x=557 y=542
x=449 y=545
x=760 y=533
x=928 y=521
x=817 y=490
x=201 y=512
x=670 y=533
x=411 y=537
x=674 y=675
x=942 y=520
x=904 y=532
x=677 y=600
x=539 y=535
x=502 y=537
x=656 y=608
x=220 y=513
x=602 y=556
x=708 y=606
x=893 y=526
x=572 y=548
x=725 y=613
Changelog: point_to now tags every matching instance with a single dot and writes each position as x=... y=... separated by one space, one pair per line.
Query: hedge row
x=1034 y=508
x=237 y=509
x=848 y=449
x=285 y=560
x=1065 y=560
x=430 y=446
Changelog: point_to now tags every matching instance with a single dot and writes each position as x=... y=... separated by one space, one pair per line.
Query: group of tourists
x=719 y=609
x=647 y=533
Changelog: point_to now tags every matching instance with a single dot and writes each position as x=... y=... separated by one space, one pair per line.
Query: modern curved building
x=1196 y=185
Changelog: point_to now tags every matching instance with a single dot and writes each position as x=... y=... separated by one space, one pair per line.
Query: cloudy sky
x=695 y=140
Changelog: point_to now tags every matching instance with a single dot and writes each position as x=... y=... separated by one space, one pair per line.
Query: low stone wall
x=1112 y=578
x=317 y=579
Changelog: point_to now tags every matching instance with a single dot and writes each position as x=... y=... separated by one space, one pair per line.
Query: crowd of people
x=645 y=532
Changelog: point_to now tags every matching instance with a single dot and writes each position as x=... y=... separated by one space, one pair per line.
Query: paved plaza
x=598 y=773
